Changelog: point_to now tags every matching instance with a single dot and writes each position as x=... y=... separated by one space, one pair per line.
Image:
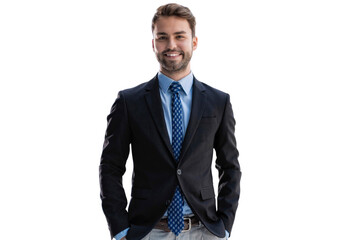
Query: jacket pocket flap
x=207 y=193
x=207 y=119
x=140 y=193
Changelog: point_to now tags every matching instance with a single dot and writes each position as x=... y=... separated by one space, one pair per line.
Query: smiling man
x=173 y=45
x=172 y=123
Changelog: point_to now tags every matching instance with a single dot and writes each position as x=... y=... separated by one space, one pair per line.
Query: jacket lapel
x=197 y=108
x=153 y=100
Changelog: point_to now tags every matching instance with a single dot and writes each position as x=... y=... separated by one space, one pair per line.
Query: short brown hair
x=173 y=9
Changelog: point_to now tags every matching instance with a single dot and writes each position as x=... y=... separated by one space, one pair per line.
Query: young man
x=172 y=122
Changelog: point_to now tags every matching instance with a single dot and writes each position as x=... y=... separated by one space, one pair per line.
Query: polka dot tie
x=175 y=215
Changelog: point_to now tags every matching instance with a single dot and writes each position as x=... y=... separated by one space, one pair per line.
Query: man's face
x=173 y=44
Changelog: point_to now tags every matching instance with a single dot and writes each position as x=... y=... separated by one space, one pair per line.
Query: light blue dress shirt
x=186 y=101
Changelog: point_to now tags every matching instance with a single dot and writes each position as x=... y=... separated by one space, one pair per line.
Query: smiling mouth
x=172 y=54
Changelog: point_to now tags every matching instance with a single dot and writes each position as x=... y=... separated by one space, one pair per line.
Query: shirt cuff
x=227 y=234
x=121 y=234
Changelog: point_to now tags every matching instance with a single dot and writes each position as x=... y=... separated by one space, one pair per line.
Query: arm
x=112 y=167
x=228 y=168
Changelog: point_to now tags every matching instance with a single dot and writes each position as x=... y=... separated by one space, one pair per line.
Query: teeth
x=172 y=55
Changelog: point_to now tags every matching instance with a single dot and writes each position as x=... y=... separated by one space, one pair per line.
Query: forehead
x=171 y=25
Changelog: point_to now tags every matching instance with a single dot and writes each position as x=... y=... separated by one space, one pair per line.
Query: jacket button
x=179 y=171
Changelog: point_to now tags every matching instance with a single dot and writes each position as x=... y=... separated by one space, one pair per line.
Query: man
x=172 y=122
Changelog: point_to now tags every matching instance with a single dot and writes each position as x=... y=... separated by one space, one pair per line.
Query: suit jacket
x=137 y=119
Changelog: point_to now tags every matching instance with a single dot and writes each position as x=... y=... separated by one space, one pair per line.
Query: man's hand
x=124 y=238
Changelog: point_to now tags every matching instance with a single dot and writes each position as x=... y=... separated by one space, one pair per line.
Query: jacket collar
x=153 y=100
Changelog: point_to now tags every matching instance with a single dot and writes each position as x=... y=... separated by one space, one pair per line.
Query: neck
x=176 y=76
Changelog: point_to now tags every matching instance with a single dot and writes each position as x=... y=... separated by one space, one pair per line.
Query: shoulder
x=138 y=90
x=211 y=91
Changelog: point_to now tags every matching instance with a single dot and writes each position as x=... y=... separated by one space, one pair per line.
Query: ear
x=194 y=43
x=153 y=45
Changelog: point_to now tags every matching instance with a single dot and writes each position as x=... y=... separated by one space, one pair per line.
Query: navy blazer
x=137 y=119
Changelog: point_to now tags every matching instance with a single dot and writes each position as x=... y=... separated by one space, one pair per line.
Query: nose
x=171 y=44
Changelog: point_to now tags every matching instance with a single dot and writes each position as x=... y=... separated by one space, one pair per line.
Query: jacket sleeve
x=113 y=166
x=228 y=168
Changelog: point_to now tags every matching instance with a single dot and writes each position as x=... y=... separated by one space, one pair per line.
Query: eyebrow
x=175 y=33
x=181 y=32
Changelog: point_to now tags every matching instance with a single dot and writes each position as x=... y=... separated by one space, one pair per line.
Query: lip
x=172 y=55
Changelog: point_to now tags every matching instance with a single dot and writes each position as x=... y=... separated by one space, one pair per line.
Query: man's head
x=174 y=39
x=176 y=10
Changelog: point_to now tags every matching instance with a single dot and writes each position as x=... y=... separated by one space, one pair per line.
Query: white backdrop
x=288 y=66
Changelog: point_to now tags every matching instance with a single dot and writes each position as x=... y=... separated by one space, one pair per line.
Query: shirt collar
x=186 y=82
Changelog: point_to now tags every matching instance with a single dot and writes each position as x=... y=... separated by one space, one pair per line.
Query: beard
x=173 y=66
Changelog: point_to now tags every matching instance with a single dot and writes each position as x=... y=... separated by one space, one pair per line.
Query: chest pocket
x=208 y=120
x=207 y=128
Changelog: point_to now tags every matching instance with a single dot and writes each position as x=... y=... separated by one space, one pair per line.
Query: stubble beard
x=172 y=67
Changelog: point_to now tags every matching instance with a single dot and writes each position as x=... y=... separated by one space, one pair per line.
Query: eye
x=162 y=38
x=179 y=37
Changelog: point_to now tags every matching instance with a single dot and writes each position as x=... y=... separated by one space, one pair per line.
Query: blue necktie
x=175 y=216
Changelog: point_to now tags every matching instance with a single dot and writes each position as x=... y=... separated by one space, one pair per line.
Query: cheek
x=159 y=48
x=187 y=47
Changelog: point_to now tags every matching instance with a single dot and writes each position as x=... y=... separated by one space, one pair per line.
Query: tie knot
x=175 y=87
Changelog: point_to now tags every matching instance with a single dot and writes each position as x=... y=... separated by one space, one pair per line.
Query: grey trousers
x=196 y=233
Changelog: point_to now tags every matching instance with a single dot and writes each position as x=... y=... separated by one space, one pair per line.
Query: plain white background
x=288 y=66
